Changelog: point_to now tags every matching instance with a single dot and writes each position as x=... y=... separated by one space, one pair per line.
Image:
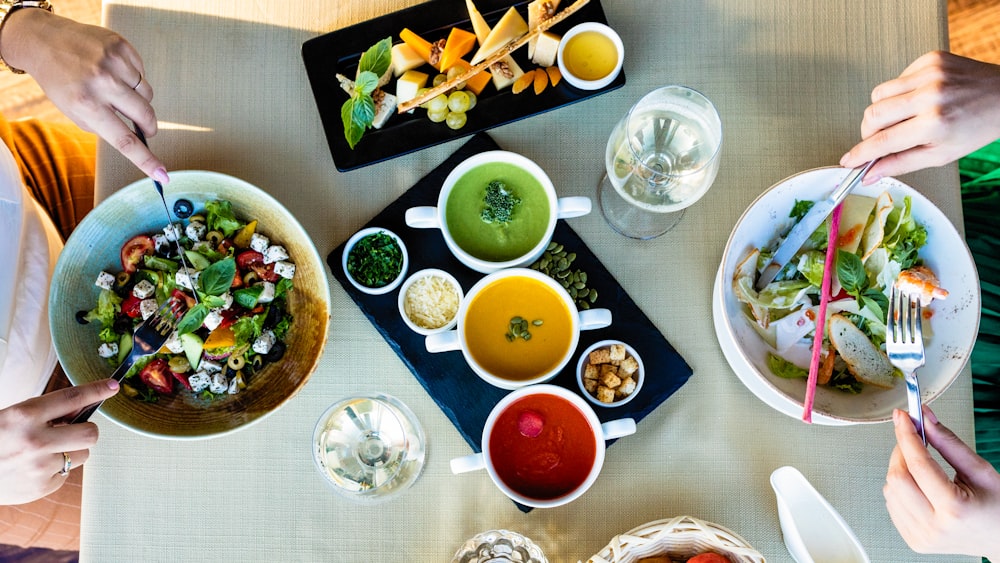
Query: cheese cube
x=210 y=366
x=107 y=350
x=195 y=230
x=274 y=254
x=219 y=383
x=199 y=381
x=264 y=342
x=408 y=85
x=505 y=72
x=143 y=289
x=186 y=279
x=285 y=269
x=172 y=232
x=212 y=320
x=234 y=387
x=267 y=295
x=228 y=299
x=147 y=307
x=259 y=242
x=104 y=280
x=173 y=343
x=160 y=244
x=404 y=58
x=546 y=49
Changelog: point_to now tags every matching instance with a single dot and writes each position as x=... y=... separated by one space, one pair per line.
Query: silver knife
x=808 y=224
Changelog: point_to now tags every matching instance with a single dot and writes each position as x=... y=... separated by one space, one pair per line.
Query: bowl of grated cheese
x=429 y=301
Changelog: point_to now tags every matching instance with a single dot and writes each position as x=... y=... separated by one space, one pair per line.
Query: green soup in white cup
x=496 y=210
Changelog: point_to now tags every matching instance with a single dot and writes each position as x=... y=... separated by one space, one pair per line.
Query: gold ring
x=138 y=82
x=67 y=463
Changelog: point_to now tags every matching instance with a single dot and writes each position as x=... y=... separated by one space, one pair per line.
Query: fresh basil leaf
x=850 y=271
x=357 y=114
x=247 y=297
x=193 y=319
x=377 y=58
x=877 y=302
x=216 y=279
x=212 y=301
x=366 y=83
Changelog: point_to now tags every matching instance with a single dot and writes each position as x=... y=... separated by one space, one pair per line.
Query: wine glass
x=370 y=447
x=661 y=158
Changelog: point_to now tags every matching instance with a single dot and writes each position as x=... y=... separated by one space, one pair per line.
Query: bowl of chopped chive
x=375 y=260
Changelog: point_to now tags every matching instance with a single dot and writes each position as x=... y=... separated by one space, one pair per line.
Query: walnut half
x=436 y=49
x=501 y=67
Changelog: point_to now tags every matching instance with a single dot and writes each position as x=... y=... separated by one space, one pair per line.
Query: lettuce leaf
x=108 y=303
x=785 y=369
x=220 y=217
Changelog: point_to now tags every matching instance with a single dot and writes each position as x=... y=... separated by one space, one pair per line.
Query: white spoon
x=814 y=531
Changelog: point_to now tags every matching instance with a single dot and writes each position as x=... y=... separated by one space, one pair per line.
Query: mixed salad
x=878 y=239
x=238 y=323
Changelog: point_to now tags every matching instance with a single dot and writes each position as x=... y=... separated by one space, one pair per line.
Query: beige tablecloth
x=790 y=78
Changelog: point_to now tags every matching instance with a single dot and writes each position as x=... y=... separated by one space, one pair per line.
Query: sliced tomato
x=183 y=378
x=133 y=251
x=225 y=245
x=237 y=280
x=181 y=296
x=229 y=316
x=157 y=376
x=130 y=306
x=251 y=260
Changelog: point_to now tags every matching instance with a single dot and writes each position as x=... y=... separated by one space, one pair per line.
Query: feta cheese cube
x=105 y=280
x=285 y=269
x=172 y=232
x=219 y=383
x=234 y=387
x=173 y=343
x=210 y=366
x=107 y=350
x=161 y=244
x=199 y=381
x=264 y=342
x=147 y=307
x=275 y=253
x=195 y=230
x=143 y=289
x=186 y=279
x=228 y=301
x=259 y=242
x=212 y=320
x=267 y=295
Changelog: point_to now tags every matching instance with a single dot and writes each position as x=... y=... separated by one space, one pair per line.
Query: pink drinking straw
x=824 y=298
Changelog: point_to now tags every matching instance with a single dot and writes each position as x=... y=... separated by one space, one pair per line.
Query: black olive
x=81 y=317
x=277 y=352
x=275 y=313
x=183 y=208
x=123 y=325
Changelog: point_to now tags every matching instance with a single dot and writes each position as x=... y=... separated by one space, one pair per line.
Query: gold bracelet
x=8 y=7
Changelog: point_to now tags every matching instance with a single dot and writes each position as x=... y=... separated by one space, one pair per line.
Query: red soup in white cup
x=543 y=446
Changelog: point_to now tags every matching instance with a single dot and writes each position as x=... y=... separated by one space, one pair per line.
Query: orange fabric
x=57 y=163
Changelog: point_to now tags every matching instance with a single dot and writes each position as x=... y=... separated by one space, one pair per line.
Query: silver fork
x=148 y=337
x=904 y=344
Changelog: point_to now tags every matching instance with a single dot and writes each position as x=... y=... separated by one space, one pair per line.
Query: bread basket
x=679 y=538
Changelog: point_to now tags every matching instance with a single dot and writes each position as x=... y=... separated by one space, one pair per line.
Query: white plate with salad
x=886 y=228
x=247 y=345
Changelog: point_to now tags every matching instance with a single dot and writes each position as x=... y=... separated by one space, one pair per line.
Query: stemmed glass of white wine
x=660 y=159
x=369 y=447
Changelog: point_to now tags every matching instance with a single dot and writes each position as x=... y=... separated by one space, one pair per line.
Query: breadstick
x=500 y=53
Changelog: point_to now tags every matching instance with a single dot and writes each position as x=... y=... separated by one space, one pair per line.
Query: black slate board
x=465 y=398
x=340 y=50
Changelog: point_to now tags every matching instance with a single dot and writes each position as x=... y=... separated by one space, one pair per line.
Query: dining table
x=791 y=80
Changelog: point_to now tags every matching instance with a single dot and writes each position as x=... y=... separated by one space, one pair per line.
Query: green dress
x=980 y=174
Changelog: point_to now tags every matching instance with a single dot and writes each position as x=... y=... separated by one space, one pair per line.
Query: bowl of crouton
x=610 y=373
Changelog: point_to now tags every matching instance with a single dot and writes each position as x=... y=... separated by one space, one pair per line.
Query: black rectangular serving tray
x=340 y=50
x=465 y=398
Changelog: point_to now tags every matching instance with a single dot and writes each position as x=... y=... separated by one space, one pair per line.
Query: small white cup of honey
x=590 y=55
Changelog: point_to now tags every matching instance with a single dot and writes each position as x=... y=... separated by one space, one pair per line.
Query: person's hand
x=91 y=74
x=941 y=108
x=31 y=451
x=933 y=513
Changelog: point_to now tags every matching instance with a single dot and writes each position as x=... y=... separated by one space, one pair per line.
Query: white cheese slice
x=404 y=58
x=546 y=49
x=501 y=80
x=408 y=85
x=479 y=25
x=538 y=11
x=510 y=27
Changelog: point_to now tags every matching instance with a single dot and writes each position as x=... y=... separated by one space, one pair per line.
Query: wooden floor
x=974 y=27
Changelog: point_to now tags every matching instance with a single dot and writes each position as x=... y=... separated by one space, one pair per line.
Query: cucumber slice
x=193 y=346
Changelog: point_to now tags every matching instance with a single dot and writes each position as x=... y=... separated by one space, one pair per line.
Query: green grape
x=437 y=116
x=438 y=103
x=456 y=119
x=439 y=80
x=455 y=72
x=472 y=100
x=420 y=92
x=458 y=101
